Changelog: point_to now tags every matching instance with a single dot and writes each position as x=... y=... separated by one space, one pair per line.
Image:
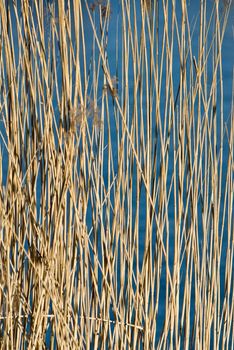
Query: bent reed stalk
x=116 y=176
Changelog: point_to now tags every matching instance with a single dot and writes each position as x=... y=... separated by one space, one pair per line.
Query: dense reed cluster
x=116 y=176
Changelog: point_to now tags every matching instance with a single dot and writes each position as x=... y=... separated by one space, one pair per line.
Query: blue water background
x=113 y=52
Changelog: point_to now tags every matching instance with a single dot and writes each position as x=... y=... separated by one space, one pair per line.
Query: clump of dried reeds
x=116 y=183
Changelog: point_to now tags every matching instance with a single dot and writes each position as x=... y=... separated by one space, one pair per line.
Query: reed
x=116 y=176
